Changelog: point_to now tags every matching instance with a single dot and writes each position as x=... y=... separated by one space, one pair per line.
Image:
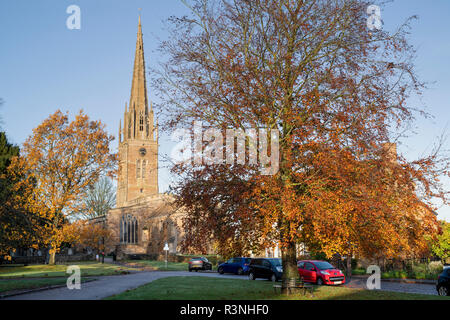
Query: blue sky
x=44 y=66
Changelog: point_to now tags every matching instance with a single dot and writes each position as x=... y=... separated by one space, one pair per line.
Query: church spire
x=139 y=100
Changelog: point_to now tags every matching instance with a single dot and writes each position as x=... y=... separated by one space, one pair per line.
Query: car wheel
x=251 y=276
x=273 y=278
x=319 y=281
x=240 y=271
x=443 y=291
x=220 y=270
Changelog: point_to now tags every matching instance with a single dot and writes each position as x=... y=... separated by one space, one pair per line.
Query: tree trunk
x=290 y=270
x=50 y=256
x=52 y=259
x=349 y=266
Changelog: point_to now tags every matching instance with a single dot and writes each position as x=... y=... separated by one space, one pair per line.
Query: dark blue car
x=443 y=283
x=234 y=265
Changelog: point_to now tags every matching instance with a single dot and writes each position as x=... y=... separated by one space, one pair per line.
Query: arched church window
x=138 y=169
x=128 y=229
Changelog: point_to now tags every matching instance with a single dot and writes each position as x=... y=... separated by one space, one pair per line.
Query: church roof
x=159 y=205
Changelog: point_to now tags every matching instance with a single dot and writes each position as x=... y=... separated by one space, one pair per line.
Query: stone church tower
x=144 y=220
x=138 y=139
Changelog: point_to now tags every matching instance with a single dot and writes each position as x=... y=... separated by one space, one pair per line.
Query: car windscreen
x=276 y=262
x=323 y=265
x=255 y=262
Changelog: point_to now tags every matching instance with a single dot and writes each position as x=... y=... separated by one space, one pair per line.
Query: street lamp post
x=166 y=249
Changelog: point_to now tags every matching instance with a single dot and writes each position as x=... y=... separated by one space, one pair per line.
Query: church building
x=144 y=220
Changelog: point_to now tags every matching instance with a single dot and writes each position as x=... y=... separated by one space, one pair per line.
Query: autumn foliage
x=95 y=236
x=337 y=94
x=57 y=166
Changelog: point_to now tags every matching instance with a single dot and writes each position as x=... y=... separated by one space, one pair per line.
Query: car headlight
x=325 y=273
x=279 y=268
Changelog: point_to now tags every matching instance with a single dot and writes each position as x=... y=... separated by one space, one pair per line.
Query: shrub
x=420 y=268
x=396 y=274
x=428 y=271
x=400 y=274
x=358 y=271
x=420 y=271
x=435 y=267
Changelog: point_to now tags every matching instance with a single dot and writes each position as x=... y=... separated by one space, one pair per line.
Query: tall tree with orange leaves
x=96 y=236
x=62 y=160
x=335 y=91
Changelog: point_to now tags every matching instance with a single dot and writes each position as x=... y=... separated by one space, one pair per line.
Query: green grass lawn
x=19 y=284
x=202 y=288
x=159 y=265
x=59 y=270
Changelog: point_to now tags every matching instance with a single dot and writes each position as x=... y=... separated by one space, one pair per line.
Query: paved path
x=110 y=285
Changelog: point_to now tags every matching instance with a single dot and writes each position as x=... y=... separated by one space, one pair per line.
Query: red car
x=320 y=272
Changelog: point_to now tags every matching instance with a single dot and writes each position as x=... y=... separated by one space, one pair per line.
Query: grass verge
x=14 y=285
x=59 y=270
x=202 y=288
x=159 y=265
x=22 y=284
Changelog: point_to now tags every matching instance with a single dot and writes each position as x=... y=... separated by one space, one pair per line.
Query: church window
x=141 y=123
x=144 y=168
x=128 y=229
